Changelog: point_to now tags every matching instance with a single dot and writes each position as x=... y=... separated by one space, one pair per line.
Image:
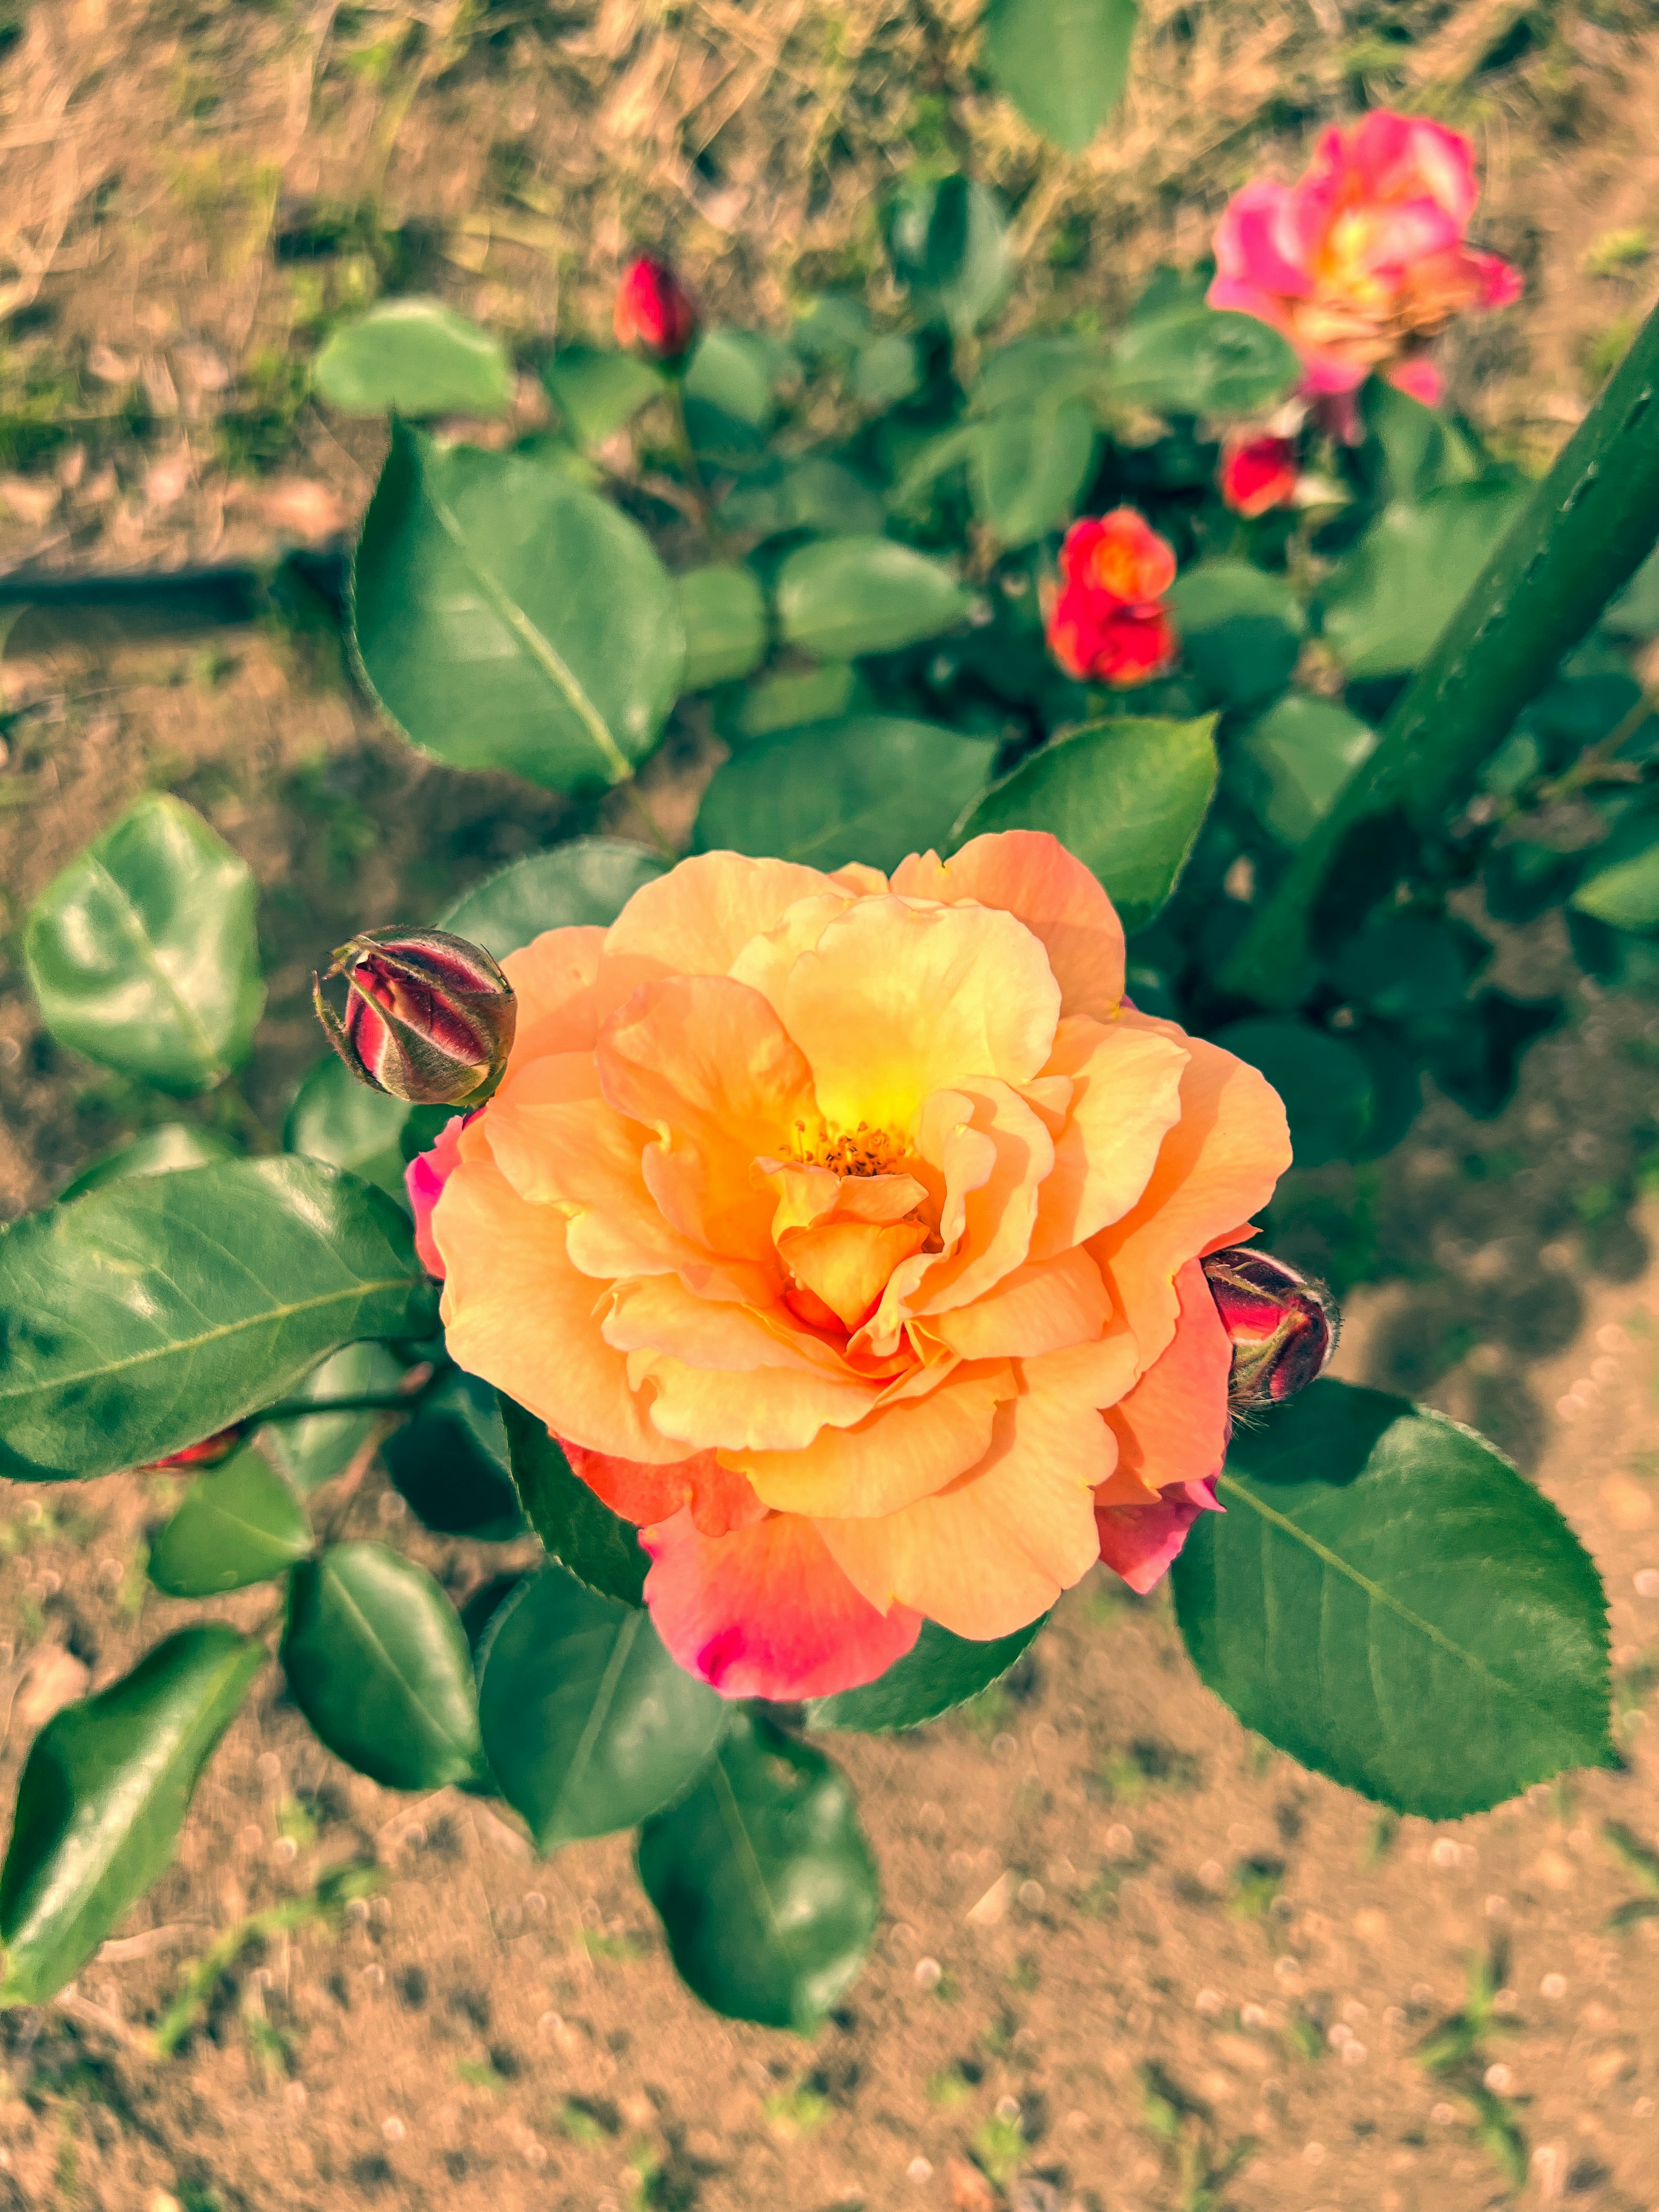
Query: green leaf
x=948 y=241
x=1241 y=630
x=589 y=880
x=1063 y=63
x=597 y=394
x=1388 y=1600
x=1298 y=757
x=337 y=1119
x=1635 y=611
x=103 y=1796
x=844 y=596
x=508 y=618
x=156 y=1311
x=141 y=952
x=870 y=787
x=1416 y=449
x=938 y=1672
x=377 y=1660
x=414 y=357
x=1389 y=602
x=786 y=702
x=1621 y=886
x=1039 y=373
x=814 y=493
x=1188 y=359
x=763 y=1881
x=578 y=1529
x=312 y=1449
x=1409 y=968
x=1029 y=470
x=888 y=370
x=723 y=612
x=729 y=397
x=450 y=1462
x=588 y=1724
x=1325 y=1084
x=239 y=1523
x=1128 y=796
x=170 y=1146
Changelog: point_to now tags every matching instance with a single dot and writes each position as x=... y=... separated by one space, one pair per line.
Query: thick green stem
x=1589 y=526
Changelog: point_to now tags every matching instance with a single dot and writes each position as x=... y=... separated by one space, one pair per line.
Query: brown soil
x=494 y=2031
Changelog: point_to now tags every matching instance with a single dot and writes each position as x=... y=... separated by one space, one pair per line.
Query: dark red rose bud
x=1257 y=473
x=208 y=1453
x=654 y=311
x=1283 y=1326
x=430 y=1016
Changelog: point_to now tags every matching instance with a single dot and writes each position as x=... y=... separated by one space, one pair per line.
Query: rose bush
x=846 y=1233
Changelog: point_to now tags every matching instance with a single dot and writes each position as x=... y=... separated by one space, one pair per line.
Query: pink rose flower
x=1363 y=263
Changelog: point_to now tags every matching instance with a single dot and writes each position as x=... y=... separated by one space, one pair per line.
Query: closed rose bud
x=654 y=311
x=429 y=1018
x=1257 y=473
x=209 y=1453
x=1283 y=1326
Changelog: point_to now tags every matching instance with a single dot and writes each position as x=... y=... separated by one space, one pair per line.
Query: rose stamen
x=861 y=1151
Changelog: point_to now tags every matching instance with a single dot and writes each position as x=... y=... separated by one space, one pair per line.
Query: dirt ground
x=1133 y=1961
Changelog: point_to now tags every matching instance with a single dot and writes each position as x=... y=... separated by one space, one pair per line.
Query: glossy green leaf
x=1325 y=1084
x=938 y=1672
x=337 y=1119
x=1241 y=630
x=588 y=1724
x=414 y=357
x=1299 y=756
x=600 y=1548
x=141 y=952
x=1386 y=605
x=1386 y=1600
x=1063 y=63
x=1128 y=796
x=870 y=787
x=1621 y=886
x=103 y=1795
x=844 y=596
x=814 y=493
x=597 y=393
x=948 y=241
x=239 y=1523
x=1188 y=359
x=450 y=1462
x=788 y=702
x=378 y=1662
x=1029 y=470
x=723 y=612
x=589 y=880
x=160 y=1151
x=763 y=1881
x=508 y=618
x=156 y=1311
x=312 y=1449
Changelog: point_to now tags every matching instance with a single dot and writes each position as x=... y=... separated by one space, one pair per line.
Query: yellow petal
x=1029 y=873
x=517 y=1313
x=697 y=919
x=896 y=1001
x=907 y=1449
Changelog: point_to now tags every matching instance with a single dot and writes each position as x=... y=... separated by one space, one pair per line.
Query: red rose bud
x=208 y=1453
x=1283 y=1326
x=1257 y=473
x=654 y=311
x=430 y=1016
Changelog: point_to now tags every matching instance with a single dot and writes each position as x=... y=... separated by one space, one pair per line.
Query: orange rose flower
x=846 y=1233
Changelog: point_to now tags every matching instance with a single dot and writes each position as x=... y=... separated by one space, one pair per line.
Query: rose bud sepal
x=1283 y=1326
x=429 y=1018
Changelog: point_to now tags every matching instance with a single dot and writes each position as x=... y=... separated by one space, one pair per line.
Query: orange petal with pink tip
x=908 y=1448
x=1031 y=874
x=896 y=1001
x=1217 y=1166
x=720 y=1500
x=995 y=1549
x=1172 y=1427
x=552 y=978
x=765 y=1612
x=511 y=1295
